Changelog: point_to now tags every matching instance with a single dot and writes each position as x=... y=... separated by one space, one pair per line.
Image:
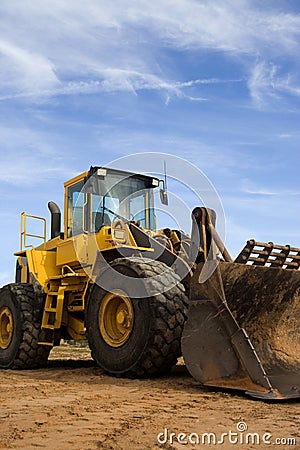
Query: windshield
x=104 y=199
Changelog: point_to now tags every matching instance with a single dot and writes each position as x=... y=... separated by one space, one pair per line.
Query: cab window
x=76 y=202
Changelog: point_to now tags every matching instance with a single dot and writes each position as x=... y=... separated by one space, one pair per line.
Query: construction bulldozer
x=142 y=297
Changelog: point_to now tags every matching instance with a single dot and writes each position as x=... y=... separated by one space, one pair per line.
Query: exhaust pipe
x=55 y=219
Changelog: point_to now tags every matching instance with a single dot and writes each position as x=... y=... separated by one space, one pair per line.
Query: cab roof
x=94 y=169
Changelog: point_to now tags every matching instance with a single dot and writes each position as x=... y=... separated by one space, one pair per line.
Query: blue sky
x=216 y=83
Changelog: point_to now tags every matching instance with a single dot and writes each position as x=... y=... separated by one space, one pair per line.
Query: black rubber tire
x=154 y=344
x=23 y=352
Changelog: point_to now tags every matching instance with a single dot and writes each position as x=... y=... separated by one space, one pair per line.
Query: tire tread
x=169 y=312
x=30 y=354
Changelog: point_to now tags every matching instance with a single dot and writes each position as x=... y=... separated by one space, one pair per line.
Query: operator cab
x=101 y=196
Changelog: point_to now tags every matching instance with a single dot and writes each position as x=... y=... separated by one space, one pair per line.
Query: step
x=49 y=344
x=50 y=310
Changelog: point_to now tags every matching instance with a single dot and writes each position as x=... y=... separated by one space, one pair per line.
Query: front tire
x=19 y=328
x=137 y=337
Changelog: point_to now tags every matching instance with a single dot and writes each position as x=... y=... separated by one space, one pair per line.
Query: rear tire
x=20 y=322
x=148 y=341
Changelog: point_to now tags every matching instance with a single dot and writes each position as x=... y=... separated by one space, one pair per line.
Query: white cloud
x=28 y=171
x=257 y=189
x=270 y=192
x=118 y=80
x=266 y=85
x=261 y=83
x=24 y=71
x=285 y=136
x=111 y=46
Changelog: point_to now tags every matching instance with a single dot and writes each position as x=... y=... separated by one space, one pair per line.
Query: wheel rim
x=116 y=317
x=6 y=327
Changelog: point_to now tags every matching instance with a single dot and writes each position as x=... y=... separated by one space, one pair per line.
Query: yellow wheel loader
x=143 y=296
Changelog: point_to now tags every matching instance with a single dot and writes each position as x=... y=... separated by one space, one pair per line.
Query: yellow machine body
x=236 y=328
x=63 y=266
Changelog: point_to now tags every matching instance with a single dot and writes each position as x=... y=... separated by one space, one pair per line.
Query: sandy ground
x=73 y=405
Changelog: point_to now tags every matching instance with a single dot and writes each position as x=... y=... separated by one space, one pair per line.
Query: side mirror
x=164 y=197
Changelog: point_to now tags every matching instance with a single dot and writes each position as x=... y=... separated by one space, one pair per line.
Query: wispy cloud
x=257 y=189
x=266 y=85
x=23 y=71
x=29 y=171
x=117 y=46
x=118 y=80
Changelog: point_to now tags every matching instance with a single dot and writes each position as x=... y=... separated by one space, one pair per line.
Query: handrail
x=24 y=234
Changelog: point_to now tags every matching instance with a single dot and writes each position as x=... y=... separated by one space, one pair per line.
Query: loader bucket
x=242 y=330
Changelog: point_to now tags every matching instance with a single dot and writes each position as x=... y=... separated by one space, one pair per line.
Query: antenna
x=165 y=171
x=164 y=192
